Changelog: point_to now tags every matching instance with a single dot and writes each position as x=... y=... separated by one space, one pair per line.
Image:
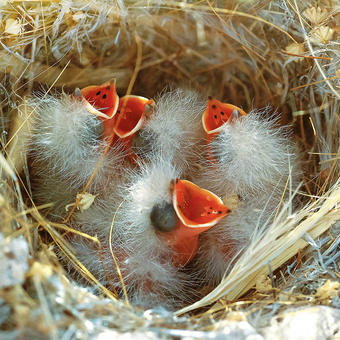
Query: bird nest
x=279 y=53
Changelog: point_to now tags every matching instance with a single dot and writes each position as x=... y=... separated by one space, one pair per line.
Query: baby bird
x=154 y=215
x=174 y=130
x=248 y=157
x=155 y=234
x=248 y=154
x=67 y=151
x=157 y=170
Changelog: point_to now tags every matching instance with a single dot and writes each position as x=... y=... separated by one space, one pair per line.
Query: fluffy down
x=252 y=156
x=144 y=258
x=66 y=149
x=255 y=160
x=174 y=130
x=67 y=143
x=221 y=246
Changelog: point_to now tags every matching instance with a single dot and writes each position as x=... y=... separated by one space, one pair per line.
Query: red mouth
x=197 y=207
x=130 y=115
x=217 y=114
x=101 y=100
x=198 y=210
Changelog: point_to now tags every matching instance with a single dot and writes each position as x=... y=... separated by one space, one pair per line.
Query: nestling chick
x=137 y=163
x=174 y=130
x=149 y=240
x=247 y=155
x=66 y=149
x=157 y=218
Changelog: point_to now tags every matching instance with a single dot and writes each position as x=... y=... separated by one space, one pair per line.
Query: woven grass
x=280 y=53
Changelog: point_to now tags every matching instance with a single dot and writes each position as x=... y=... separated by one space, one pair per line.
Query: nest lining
x=284 y=53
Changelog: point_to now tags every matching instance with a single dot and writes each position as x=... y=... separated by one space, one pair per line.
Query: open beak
x=217 y=114
x=215 y=117
x=101 y=100
x=198 y=210
x=130 y=115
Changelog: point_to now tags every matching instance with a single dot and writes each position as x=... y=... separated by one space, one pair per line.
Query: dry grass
x=250 y=54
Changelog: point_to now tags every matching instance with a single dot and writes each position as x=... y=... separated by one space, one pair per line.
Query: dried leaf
x=43 y=271
x=231 y=201
x=322 y=35
x=328 y=290
x=78 y=16
x=263 y=284
x=316 y=15
x=295 y=48
x=85 y=202
x=12 y=26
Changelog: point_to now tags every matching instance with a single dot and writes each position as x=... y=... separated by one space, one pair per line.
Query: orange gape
x=129 y=118
x=101 y=100
x=131 y=115
x=122 y=117
x=198 y=210
x=215 y=116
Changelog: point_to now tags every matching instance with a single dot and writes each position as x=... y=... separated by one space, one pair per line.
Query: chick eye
x=163 y=217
